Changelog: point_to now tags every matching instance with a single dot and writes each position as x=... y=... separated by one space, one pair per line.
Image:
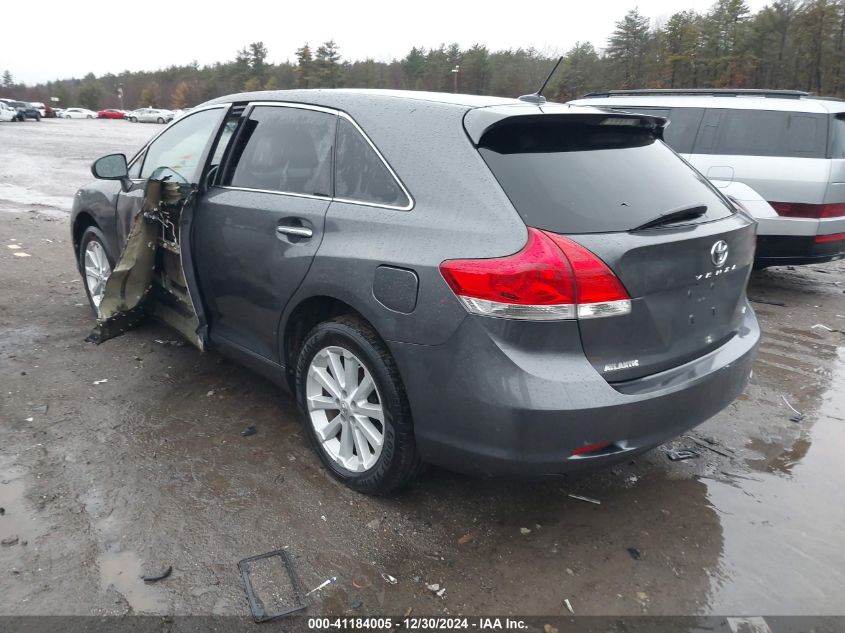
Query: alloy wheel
x=97 y=271
x=345 y=409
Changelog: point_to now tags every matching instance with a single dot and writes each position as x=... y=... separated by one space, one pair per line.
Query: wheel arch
x=82 y=221
x=303 y=317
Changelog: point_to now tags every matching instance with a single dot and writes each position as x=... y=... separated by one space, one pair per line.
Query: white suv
x=786 y=145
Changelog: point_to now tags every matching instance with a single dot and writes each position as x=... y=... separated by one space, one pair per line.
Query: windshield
x=577 y=178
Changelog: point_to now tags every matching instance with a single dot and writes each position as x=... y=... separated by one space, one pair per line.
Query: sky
x=70 y=39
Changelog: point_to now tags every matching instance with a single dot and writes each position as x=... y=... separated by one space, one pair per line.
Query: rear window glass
x=763 y=133
x=682 y=128
x=288 y=150
x=571 y=178
x=361 y=175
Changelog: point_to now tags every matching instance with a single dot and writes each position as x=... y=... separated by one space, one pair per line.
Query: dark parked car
x=25 y=110
x=484 y=284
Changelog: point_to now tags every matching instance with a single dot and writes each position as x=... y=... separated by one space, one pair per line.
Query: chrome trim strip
x=278 y=193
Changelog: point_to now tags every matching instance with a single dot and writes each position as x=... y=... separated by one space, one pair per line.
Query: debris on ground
x=708 y=446
x=256 y=604
x=159 y=576
x=100 y=382
x=681 y=454
x=779 y=304
x=587 y=499
x=39 y=408
x=357 y=604
x=361 y=583
x=436 y=589
x=11 y=540
x=821 y=326
x=2 y=511
x=798 y=415
x=569 y=606
x=209 y=394
x=466 y=538
x=250 y=430
x=323 y=584
x=548 y=628
x=170 y=343
x=374 y=524
x=29 y=419
x=524 y=531
x=634 y=553
x=390 y=580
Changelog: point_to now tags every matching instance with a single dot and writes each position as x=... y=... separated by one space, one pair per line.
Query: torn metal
x=149 y=278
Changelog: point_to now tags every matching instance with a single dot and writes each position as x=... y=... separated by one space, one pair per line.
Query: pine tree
x=626 y=49
x=328 y=66
x=304 y=67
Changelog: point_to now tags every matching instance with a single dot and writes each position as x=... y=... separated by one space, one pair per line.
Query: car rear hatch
x=609 y=184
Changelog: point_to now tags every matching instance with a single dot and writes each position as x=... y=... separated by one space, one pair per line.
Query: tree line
x=789 y=44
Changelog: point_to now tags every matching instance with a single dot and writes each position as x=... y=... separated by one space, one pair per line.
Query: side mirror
x=112 y=167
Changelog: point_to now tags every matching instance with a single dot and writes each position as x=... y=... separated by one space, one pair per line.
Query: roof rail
x=715 y=92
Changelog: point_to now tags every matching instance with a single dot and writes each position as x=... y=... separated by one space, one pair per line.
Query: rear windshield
x=575 y=178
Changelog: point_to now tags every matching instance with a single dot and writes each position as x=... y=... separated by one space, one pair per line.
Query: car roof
x=364 y=96
x=786 y=101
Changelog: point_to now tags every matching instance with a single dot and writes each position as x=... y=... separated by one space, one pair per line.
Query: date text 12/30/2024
x=417 y=623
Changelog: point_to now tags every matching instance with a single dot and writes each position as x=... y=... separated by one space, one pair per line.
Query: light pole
x=455 y=72
x=120 y=94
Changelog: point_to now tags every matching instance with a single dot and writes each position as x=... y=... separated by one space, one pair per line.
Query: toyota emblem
x=719 y=253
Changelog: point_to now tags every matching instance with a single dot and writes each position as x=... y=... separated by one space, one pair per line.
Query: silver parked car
x=786 y=145
x=150 y=115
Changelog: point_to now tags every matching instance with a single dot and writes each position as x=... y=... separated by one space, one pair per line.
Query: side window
x=285 y=149
x=361 y=174
x=769 y=133
x=180 y=148
x=706 y=141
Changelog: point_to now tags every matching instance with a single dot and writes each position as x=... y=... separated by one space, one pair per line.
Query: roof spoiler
x=479 y=121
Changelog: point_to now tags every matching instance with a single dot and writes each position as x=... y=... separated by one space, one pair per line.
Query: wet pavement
x=149 y=470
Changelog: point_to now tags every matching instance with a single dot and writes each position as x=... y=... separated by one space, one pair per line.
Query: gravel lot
x=103 y=482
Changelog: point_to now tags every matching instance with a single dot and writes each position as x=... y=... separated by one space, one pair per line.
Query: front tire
x=96 y=265
x=354 y=406
x=89 y=117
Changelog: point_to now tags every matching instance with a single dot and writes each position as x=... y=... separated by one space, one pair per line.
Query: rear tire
x=159 y=120
x=397 y=464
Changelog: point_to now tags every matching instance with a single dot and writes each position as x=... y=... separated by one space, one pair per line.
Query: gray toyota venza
x=502 y=287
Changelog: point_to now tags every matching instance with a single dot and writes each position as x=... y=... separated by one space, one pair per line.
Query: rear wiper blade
x=673 y=217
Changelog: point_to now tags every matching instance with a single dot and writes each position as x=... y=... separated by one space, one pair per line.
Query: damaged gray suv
x=495 y=286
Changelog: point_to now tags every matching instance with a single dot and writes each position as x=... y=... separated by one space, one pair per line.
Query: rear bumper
x=488 y=403
x=785 y=250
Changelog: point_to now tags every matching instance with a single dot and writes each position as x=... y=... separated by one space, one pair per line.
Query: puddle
x=788 y=522
x=122 y=571
x=17 y=520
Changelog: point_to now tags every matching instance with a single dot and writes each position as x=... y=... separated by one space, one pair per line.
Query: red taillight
x=833 y=237
x=552 y=277
x=807 y=210
x=590 y=448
